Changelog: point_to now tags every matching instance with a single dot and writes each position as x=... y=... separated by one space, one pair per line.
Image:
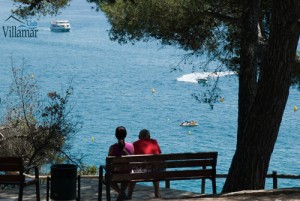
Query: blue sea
x=134 y=86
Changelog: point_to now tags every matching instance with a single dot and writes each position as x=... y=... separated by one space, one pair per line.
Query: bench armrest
x=102 y=167
x=36 y=170
x=101 y=174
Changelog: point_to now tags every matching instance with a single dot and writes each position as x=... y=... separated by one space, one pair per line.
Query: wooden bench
x=177 y=166
x=12 y=173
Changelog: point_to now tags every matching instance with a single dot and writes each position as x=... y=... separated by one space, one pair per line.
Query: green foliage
x=296 y=72
x=203 y=27
x=89 y=170
x=25 y=8
x=211 y=96
x=35 y=130
x=172 y=22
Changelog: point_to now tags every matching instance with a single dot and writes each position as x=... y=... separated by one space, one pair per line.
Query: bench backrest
x=11 y=169
x=164 y=166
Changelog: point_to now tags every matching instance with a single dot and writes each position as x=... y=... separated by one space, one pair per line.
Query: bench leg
x=21 y=192
x=37 y=189
x=167 y=184
x=78 y=187
x=107 y=183
x=100 y=184
x=48 y=184
x=203 y=186
x=108 y=191
x=131 y=186
x=156 y=189
x=214 y=186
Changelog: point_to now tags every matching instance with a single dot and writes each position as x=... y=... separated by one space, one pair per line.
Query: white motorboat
x=60 y=26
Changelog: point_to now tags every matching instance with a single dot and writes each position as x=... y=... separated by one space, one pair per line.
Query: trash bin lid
x=64 y=166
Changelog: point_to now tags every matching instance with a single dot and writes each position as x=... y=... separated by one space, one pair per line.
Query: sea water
x=134 y=86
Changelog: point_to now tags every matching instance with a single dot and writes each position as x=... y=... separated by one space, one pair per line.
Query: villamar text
x=14 y=31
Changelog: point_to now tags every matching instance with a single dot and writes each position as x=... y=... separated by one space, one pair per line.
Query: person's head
x=121 y=135
x=144 y=134
x=121 y=132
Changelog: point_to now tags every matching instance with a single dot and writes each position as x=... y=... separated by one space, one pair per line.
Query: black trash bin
x=63 y=182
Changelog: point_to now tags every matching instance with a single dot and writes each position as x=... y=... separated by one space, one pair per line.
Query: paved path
x=89 y=191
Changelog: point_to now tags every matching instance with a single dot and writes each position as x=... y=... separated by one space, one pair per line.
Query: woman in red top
x=145 y=145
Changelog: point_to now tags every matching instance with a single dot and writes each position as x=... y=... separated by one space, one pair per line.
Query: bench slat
x=161 y=165
x=11 y=178
x=10 y=167
x=160 y=157
x=14 y=160
x=169 y=175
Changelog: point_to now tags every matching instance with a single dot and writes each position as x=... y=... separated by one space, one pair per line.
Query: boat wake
x=203 y=77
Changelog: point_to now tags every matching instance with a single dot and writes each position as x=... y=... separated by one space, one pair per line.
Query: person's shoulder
x=129 y=143
x=137 y=141
x=111 y=147
x=153 y=140
x=111 y=150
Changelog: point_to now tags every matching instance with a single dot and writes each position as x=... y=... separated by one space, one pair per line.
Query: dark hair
x=144 y=134
x=120 y=135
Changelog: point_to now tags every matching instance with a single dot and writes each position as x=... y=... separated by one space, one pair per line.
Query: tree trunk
x=248 y=69
x=258 y=131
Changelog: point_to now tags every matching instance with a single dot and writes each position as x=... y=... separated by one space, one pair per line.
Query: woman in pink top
x=118 y=149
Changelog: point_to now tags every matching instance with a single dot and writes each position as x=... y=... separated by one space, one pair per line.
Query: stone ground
x=89 y=191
